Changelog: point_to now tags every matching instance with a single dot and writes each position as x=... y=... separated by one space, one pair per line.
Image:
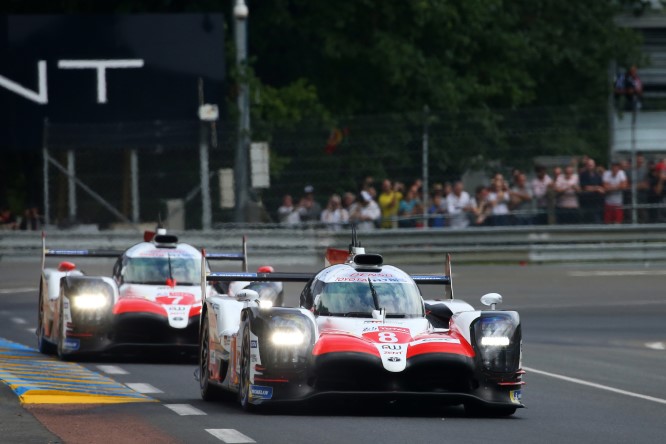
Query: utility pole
x=424 y=163
x=241 y=13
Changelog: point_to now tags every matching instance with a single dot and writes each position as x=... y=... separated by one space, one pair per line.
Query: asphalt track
x=594 y=338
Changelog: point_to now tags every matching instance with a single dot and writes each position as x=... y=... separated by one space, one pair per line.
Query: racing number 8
x=387 y=336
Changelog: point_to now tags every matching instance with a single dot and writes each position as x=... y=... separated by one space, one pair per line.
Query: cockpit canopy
x=342 y=290
x=156 y=270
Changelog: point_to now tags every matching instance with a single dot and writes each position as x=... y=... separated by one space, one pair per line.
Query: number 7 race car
x=362 y=328
x=152 y=299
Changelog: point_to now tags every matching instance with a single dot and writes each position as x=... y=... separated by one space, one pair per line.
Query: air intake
x=369 y=260
x=165 y=241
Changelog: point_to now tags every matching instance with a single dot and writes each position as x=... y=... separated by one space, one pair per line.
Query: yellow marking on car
x=41 y=379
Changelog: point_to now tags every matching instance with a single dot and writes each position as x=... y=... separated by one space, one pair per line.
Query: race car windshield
x=354 y=299
x=155 y=270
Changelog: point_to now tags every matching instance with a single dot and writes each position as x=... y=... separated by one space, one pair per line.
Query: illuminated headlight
x=498 y=339
x=495 y=341
x=265 y=304
x=287 y=337
x=89 y=301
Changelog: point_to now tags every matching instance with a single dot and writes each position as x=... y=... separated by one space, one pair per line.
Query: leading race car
x=152 y=299
x=362 y=328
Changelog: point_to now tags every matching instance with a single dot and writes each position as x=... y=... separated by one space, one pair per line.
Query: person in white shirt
x=459 y=206
x=499 y=198
x=288 y=213
x=334 y=216
x=567 y=187
x=615 y=182
x=366 y=213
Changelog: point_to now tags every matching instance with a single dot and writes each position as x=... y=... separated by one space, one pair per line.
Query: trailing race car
x=362 y=328
x=153 y=298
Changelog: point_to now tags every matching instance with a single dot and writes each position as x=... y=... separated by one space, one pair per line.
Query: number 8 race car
x=362 y=328
x=152 y=299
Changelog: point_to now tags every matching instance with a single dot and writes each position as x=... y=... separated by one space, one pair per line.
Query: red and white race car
x=152 y=299
x=362 y=329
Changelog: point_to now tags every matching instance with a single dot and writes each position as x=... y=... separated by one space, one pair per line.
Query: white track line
x=16 y=290
x=19 y=321
x=31 y=329
x=184 y=409
x=230 y=435
x=618 y=273
x=112 y=369
x=656 y=345
x=143 y=388
x=595 y=385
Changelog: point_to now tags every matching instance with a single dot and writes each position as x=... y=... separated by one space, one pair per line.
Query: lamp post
x=241 y=13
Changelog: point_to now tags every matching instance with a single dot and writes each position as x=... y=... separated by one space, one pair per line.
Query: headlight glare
x=287 y=337
x=495 y=341
x=89 y=301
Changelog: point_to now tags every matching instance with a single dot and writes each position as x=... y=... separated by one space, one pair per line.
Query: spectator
x=7 y=219
x=309 y=208
x=498 y=199
x=633 y=88
x=480 y=205
x=657 y=191
x=334 y=216
x=288 y=213
x=540 y=186
x=348 y=200
x=642 y=186
x=410 y=208
x=31 y=220
x=592 y=191
x=521 y=199
x=615 y=181
x=369 y=186
x=567 y=187
x=366 y=213
x=459 y=206
x=389 y=202
x=437 y=207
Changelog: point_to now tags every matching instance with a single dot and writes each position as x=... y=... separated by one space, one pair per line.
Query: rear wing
x=214 y=256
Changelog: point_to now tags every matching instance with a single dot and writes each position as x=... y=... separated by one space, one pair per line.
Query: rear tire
x=42 y=344
x=208 y=391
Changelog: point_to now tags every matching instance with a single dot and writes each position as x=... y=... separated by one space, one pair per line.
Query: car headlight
x=287 y=337
x=90 y=301
x=497 y=338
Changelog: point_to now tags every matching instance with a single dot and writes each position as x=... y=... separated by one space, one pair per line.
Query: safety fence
x=306 y=246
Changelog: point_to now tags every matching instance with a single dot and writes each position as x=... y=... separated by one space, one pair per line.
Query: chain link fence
x=334 y=158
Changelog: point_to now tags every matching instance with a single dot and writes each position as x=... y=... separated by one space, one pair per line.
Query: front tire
x=208 y=391
x=244 y=387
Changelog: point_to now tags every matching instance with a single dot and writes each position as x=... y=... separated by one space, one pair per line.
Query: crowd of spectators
x=29 y=219
x=580 y=192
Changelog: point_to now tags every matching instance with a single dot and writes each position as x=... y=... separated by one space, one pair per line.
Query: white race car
x=151 y=299
x=362 y=330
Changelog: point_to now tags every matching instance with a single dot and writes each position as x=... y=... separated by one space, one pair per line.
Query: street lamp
x=241 y=13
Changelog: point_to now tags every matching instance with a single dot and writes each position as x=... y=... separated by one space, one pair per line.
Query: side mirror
x=491 y=300
x=247 y=295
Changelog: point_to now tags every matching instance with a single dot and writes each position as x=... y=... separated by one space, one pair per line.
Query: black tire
x=244 y=384
x=43 y=345
x=208 y=391
x=480 y=411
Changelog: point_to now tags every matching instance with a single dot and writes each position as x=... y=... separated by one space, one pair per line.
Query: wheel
x=208 y=391
x=488 y=412
x=244 y=389
x=43 y=345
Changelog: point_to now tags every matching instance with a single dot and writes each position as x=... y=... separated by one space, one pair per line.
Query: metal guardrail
x=285 y=246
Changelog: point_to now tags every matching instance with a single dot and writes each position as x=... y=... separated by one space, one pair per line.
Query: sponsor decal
x=515 y=396
x=391 y=347
x=394 y=359
x=261 y=392
x=372 y=322
x=253 y=344
x=72 y=344
x=373 y=328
